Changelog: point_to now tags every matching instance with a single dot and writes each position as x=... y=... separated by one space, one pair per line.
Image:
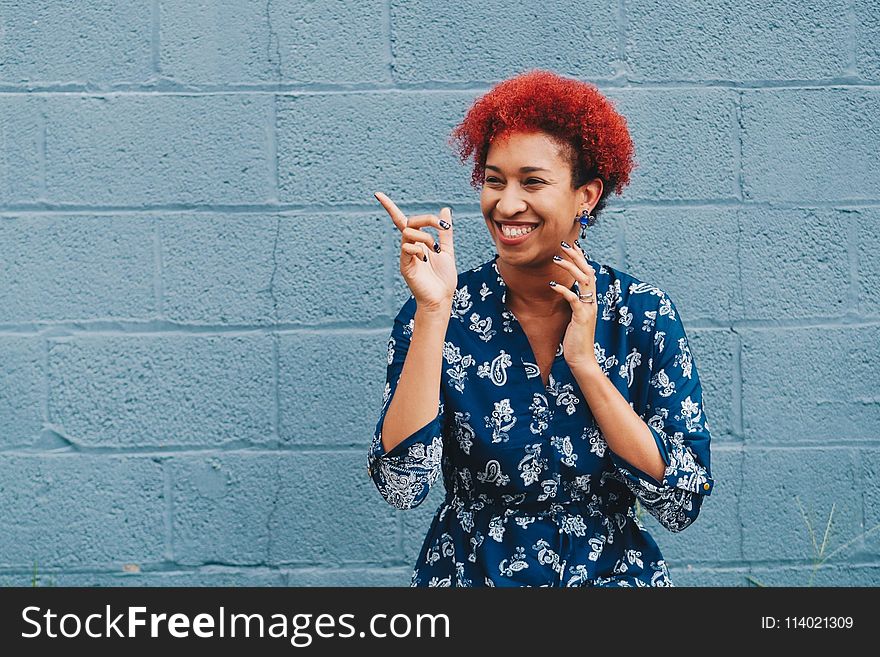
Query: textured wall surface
x=197 y=286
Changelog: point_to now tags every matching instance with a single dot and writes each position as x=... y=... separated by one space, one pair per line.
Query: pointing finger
x=394 y=212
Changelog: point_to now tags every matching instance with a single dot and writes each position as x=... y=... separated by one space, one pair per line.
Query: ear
x=590 y=193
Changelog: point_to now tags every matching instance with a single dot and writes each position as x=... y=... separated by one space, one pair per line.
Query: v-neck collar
x=494 y=281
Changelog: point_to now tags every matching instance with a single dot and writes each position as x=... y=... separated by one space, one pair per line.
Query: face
x=527 y=187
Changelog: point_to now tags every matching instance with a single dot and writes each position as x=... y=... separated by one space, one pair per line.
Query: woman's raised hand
x=428 y=266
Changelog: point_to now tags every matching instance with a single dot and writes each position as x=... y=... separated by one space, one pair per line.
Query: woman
x=551 y=391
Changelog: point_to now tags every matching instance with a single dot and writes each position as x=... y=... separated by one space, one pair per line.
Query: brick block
x=22 y=392
x=776 y=481
x=499 y=38
x=684 y=145
x=21 y=134
x=114 y=391
x=838 y=575
x=688 y=253
x=202 y=577
x=218 y=268
x=330 y=386
x=390 y=142
x=810 y=384
x=328 y=513
x=234 y=42
x=76 y=267
x=222 y=505
x=810 y=145
x=71 y=511
x=153 y=149
x=867 y=39
x=688 y=576
x=794 y=263
x=869 y=261
x=713 y=351
x=331 y=268
x=83 y=43
x=869 y=462
x=776 y=40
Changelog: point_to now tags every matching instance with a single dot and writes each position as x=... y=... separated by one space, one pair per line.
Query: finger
x=577 y=256
x=574 y=301
x=582 y=278
x=416 y=235
x=446 y=241
x=415 y=250
x=394 y=212
x=422 y=220
x=582 y=250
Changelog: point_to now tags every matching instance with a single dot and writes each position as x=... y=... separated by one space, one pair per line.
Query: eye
x=530 y=181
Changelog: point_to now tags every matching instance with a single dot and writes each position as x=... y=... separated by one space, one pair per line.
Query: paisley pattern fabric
x=534 y=496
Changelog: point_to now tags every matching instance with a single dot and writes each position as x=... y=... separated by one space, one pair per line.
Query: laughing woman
x=551 y=391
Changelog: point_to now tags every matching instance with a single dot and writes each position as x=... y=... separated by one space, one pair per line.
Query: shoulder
x=639 y=308
x=630 y=290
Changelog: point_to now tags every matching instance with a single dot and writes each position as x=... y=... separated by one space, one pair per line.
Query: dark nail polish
x=444 y=225
x=566 y=245
x=577 y=244
x=425 y=258
x=436 y=247
x=557 y=258
x=552 y=283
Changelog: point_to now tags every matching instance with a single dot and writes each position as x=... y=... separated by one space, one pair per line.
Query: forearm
x=624 y=431
x=417 y=395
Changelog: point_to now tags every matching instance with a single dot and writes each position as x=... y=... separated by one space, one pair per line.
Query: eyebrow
x=521 y=169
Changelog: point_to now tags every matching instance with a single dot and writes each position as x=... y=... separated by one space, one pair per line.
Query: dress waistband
x=583 y=507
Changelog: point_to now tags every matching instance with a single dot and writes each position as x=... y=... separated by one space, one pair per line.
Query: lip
x=515 y=240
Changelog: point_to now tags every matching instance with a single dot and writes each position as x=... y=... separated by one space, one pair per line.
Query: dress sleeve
x=405 y=474
x=674 y=414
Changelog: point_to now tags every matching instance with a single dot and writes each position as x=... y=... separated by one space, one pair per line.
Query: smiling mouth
x=515 y=232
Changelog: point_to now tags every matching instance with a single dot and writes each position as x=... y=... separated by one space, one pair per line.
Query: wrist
x=586 y=369
x=440 y=311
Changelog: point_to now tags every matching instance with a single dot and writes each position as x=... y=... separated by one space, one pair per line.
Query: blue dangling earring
x=586 y=219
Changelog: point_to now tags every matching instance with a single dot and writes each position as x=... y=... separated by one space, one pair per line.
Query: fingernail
x=425 y=258
x=436 y=247
x=552 y=283
x=566 y=245
x=557 y=258
x=444 y=225
x=577 y=244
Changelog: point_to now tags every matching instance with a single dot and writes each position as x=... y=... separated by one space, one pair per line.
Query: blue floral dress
x=534 y=496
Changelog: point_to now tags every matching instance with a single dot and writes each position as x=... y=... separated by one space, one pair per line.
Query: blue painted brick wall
x=188 y=235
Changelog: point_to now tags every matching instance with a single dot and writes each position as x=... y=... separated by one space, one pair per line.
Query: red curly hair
x=575 y=113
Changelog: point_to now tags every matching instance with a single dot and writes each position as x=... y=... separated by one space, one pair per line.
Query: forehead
x=532 y=149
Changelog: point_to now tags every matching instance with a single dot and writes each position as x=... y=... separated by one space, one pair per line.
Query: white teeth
x=510 y=231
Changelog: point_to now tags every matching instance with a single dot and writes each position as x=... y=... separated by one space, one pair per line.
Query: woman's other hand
x=580 y=336
x=428 y=266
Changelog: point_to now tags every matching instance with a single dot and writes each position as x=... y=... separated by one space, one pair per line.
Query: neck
x=528 y=292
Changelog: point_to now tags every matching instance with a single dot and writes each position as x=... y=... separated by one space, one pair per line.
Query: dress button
x=706 y=486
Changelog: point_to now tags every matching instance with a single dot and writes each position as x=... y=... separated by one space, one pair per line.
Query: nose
x=509 y=203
